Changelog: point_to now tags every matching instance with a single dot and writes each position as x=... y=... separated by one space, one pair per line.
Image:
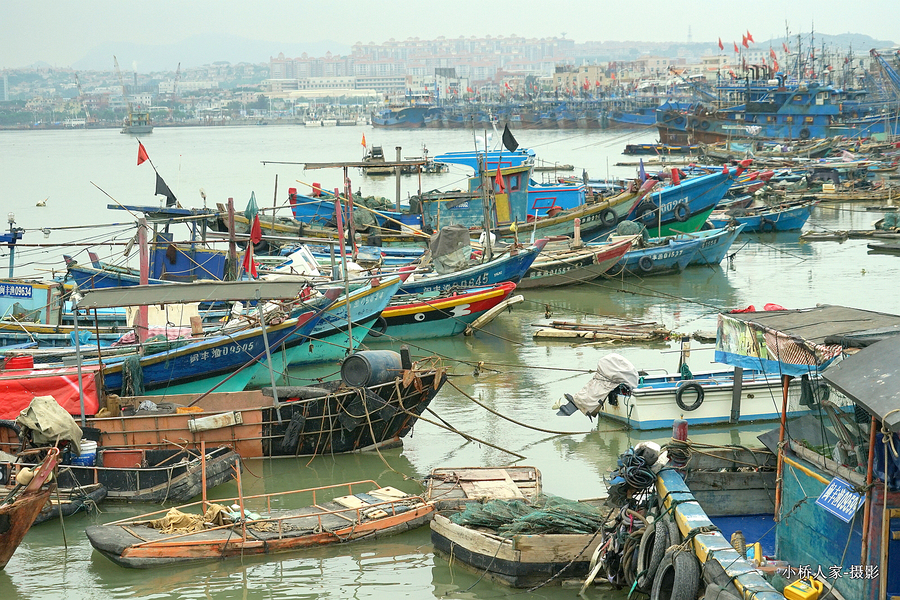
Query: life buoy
x=679 y=120
x=608 y=217
x=678 y=576
x=804 y=134
x=645 y=211
x=646 y=264
x=682 y=212
x=379 y=327
x=767 y=225
x=704 y=124
x=679 y=396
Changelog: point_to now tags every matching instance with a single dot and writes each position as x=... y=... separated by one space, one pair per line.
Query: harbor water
x=502 y=382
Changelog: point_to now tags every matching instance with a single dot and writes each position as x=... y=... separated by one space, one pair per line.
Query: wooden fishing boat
x=825 y=236
x=71 y=501
x=766 y=219
x=572 y=265
x=328 y=418
x=669 y=255
x=438 y=314
x=519 y=559
x=21 y=506
x=260 y=525
x=139 y=475
x=885 y=247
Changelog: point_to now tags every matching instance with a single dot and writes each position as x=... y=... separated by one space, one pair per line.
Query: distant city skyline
x=62 y=34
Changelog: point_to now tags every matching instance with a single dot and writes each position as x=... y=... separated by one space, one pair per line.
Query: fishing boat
x=260 y=525
x=509 y=264
x=501 y=549
x=137 y=123
x=715 y=244
x=662 y=149
x=21 y=506
x=141 y=475
x=602 y=332
x=437 y=314
x=375 y=408
x=375 y=161
x=568 y=265
x=645 y=258
x=766 y=219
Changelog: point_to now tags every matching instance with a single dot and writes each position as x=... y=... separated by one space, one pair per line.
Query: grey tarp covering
x=612 y=370
x=450 y=249
x=871 y=378
x=49 y=423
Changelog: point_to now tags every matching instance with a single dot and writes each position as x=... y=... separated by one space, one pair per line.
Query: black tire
x=682 y=212
x=767 y=225
x=804 y=134
x=679 y=120
x=11 y=425
x=704 y=124
x=650 y=553
x=714 y=591
x=677 y=578
x=379 y=327
x=679 y=396
x=695 y=122
x=645 y=212
x=608 y=217
x=674 y=532
x=646 y=264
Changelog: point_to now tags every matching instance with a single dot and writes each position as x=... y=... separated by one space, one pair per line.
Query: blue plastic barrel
x=371 y=367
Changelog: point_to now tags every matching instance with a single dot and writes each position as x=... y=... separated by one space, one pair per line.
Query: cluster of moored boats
x=106 y=366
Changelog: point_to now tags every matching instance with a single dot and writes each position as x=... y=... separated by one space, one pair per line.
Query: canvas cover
x=612 y=371
x=50 y=423
x=18 y=387
x=796 y=342
x=450 y=249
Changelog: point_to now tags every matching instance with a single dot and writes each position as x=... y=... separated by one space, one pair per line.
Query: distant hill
x=197 y=51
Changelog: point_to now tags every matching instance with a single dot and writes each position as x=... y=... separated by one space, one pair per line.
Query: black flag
x=508 y=140
x=163 y=190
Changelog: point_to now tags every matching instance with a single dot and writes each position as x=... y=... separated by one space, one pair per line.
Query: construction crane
x=122 y=83
x=87 y=115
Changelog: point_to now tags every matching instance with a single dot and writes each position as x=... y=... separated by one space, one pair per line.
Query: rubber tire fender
x=646 y=211
x=679 y=121
x=678 y=576
x=803 y=134
x=650 y=553
x=767 y=225
x=704 y=124
x=679 y=395
x=378 y=328
x=645 y=264
x=682 y=212
x=714 y=591
x=608 y=217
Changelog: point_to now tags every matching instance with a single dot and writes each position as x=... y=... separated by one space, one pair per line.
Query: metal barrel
x=371 y=367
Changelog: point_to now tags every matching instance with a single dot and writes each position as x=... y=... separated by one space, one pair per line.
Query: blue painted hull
x=506 y=268
x=204 y=363
x=714 y=245
x=672 y=257
x=784 y=220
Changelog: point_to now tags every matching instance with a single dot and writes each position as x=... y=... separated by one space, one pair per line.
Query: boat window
x=789 y=119
x=808 y=119
x=513 y=183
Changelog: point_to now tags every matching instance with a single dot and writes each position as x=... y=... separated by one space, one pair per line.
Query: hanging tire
x=714 y=591
x=646 y=264
x=704 y=124
x=646 y=211
x=767 y=225
x=608 y=217
x=378 y=328
x=650 y=553
x=804 y=134
x=682 y=212
x=677 y=578
x=679 y=121
x=679 y=396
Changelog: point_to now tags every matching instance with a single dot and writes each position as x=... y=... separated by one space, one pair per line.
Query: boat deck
x=450 y=488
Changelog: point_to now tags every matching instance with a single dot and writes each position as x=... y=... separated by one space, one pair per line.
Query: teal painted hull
x=431 y=329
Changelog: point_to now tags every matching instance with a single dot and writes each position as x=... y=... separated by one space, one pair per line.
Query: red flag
x=255 y=230
x=772 y=53
x=749 y=37
x=736 y=48
x=255 y=238
x=775 y=64
x=744 y=41
x=499 y=181
x=675 y=179
x=364 y=141
x=142 y=153
x=721 y=45
x=468 y=89
x=783 y=45
x=596 y=83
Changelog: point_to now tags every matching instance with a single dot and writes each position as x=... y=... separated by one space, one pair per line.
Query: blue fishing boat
x=715 y=243
x=646 y=258
x=788 y=217
x=683 y=208
x=511 y=265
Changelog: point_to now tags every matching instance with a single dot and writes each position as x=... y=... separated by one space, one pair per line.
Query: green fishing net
x=547 y=514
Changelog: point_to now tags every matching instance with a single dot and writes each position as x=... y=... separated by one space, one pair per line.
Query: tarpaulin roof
x=795 y=342
x=871 y=378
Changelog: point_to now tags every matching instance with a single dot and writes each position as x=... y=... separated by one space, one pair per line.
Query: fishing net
x=547 y=514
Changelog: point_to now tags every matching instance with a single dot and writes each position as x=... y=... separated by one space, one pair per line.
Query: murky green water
x=518 y=381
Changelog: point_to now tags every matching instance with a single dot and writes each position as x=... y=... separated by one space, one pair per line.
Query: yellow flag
x=513 y=227
x=364 y=141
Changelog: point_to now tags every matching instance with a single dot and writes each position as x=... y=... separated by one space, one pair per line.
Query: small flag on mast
x=364 y=141
x=509 y=142
x=142 y=154
x=163 y=190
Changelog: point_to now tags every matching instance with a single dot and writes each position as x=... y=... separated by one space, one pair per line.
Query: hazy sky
x=61 y=32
